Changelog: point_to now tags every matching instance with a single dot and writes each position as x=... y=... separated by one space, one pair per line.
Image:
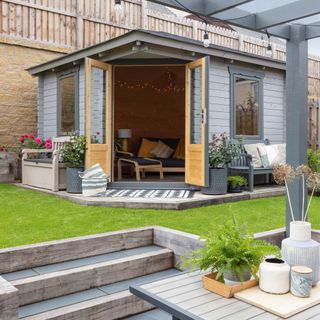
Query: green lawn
x=29 y=217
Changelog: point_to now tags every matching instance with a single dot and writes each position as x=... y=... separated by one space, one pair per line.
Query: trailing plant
x=284 y=173
x=230 y=249
x=235 y=181
x=73 y=151
x=221 y=151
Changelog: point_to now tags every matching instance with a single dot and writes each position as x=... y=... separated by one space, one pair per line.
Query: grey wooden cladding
x=60 y=283
x=111 y=307
x=24 y=257
x=9 y=301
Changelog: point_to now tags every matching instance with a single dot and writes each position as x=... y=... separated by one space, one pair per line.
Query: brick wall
x=18 y=90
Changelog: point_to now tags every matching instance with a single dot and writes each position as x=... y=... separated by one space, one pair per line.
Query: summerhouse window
x=246 y=104
x=67 y=104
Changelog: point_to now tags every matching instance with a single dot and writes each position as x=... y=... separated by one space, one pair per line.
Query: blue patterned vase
x=300 y=250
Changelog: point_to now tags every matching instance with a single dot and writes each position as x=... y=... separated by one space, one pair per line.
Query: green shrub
x=73 y=151
x=314 y=160
x=235 y=181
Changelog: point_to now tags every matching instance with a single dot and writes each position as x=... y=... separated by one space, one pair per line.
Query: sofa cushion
x=270 y=155
x=180 y=150
x=253 y=150
x=161 y=150
x=171 y=142
x=146 y=147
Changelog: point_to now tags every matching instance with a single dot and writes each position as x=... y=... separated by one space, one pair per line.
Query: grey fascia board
x=161 y=40
x=83 y=53
x=312 y=30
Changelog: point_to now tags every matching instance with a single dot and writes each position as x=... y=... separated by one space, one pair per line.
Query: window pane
x=196 y=106
x=247 y=107
x=98 y=105
x=67 y=105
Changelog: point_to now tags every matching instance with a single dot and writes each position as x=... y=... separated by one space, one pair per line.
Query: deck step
x=74 y=276
x=111 y=301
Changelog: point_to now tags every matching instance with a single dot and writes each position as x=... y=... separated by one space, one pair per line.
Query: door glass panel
x=98 y=106
x=196 y=106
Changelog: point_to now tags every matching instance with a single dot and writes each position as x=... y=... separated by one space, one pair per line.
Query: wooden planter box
x=210 y=283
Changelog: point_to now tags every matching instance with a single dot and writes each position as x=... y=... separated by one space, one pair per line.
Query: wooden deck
x=198 y=200
x=184 y=297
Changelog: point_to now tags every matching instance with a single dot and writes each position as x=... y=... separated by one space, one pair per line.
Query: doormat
x=153 y=194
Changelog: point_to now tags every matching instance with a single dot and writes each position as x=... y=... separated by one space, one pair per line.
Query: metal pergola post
x=297 y=112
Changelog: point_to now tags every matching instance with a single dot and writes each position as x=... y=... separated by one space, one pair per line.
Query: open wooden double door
x=99 y=125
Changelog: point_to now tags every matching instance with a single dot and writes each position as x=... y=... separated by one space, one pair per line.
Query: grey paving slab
x=132 y=252
x=124 y=285
x=19 y=275
x=79 y=262
x=39 y=307
x=151 y=315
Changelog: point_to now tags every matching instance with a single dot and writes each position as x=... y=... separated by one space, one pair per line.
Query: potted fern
x=231 y=254
x=236 y=184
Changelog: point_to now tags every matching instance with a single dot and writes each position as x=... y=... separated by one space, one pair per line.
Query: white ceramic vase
x=274 y=276
x=300 y=250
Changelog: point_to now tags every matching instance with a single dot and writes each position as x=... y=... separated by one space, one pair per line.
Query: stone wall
x=18 y=90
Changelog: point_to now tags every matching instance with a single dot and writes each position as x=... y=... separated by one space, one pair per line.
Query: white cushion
x=270 y=155
x=253 y=150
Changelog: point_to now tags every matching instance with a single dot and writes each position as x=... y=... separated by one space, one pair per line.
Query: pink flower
x=48 y=140
x=31 y=136
x=25 y=136
x=22 y=139
x=48 y=145
x=98 y=133
x=38 y=140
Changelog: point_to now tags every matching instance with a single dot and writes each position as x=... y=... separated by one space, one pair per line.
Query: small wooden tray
x=210 y=283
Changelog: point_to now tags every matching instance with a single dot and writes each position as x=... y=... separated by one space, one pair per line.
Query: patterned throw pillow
x=161 y=150
x=253 y=150
x=269 y=155
x=146 y=147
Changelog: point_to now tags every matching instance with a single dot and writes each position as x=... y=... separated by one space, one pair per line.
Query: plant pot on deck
x=74 y=182
x=236 y=189
x=217 y=181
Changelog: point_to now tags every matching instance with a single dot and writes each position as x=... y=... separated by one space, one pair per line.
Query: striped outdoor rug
x=130 y=193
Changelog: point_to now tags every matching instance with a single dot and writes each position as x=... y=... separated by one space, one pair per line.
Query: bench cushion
x=172 y=163
x=253 y=150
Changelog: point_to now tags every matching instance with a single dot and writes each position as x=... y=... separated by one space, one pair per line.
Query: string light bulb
x=269 y=51
x=118 y=5
x=206 y=41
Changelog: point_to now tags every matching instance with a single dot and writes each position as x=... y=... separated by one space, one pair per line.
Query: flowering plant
x=221 y=151
x=284 y=173
x=32 y=142
x=73 y=151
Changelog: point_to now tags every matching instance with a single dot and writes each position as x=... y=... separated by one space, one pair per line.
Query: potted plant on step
x=221 y=153
x=231 y=254
x=73 y=153
x=236 y=184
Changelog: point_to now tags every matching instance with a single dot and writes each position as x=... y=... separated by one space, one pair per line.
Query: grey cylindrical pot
x=217 y=181
x=74 y=182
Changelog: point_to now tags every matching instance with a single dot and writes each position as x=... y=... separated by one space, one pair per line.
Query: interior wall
x=149 y=100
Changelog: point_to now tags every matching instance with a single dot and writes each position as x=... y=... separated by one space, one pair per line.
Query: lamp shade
x=124 y=133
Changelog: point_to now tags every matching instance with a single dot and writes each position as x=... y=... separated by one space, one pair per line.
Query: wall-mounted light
x=118 y=5
x=269 y=51
x=206 y=41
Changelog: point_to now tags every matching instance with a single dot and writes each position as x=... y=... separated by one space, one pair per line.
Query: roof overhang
x=142 y=43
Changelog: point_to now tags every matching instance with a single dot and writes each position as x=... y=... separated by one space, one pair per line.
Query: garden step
x=81 y=276
x=105 y=302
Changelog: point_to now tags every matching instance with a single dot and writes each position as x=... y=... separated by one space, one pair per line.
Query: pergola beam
x=216 y=6
x=313 y=30
x=197 y=6
x=287 y=13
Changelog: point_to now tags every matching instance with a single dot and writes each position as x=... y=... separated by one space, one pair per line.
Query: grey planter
x=217 y=181
x=74 y=182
